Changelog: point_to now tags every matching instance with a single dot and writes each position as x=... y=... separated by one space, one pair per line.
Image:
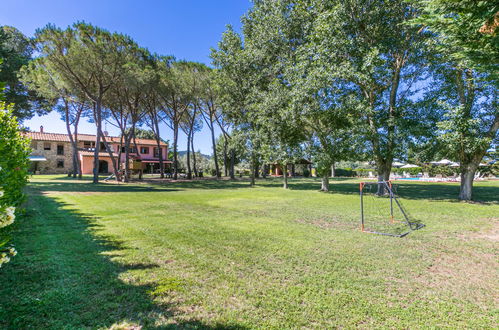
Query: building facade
x=53 y=153
x=56 y=155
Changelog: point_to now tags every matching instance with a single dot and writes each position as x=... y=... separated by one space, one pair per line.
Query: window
x=60 y=149
x=132 y=150
x=34 y=145
x=87 y=144
x=144 y=150
x=46 y=146
x=156 y=152
x=60 y=164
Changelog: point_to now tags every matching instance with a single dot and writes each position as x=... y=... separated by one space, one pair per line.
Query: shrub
x=14 y=148
x=345 y=172
x=411 y=171
x=443 y=170
x=7 y=216
x=14 y=164
x=306 y=173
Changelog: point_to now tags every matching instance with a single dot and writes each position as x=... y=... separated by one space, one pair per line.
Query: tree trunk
x=75 y=162
x=194 y=166
x=264 y=171
x=333 y=170
x=158 y=143
x=78 y=163
x=257 y=169
x=215 y=159
x=189 y=171
x=120 y=152
x=325 y=182
x=285 y=176
x=384 y=169
x=126 y=177
x=74 y=145
x=98 y=122
x=111 y=155
x=175 y=155
x=225 y=157
x=467 y=176
x=232 y=161
x=137 y=151
x=252 y=171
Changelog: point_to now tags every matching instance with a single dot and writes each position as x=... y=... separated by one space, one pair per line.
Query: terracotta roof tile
x=48 y=136
x=59 y=137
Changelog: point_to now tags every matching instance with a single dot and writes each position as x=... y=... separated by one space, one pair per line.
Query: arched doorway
x=103 y=166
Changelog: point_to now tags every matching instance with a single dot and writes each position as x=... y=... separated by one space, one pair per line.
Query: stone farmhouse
x=52 y=153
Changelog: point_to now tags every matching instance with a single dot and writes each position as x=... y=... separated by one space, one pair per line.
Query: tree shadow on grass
x=203 y=183
x=423 y=190
x=63 y=277
x=97 y=188
x=407 y=190
x=65 y=184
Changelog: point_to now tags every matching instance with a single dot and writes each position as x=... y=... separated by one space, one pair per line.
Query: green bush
x=411 y=171
x=434 y=170
x=345 y=172
x=306 y=173
x=14 y=162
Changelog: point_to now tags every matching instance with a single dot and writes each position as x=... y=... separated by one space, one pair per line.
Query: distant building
x=53 y=153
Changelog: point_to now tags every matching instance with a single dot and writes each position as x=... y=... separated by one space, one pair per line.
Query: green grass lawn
x=223 y=255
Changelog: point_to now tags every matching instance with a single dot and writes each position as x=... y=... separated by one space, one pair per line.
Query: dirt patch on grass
x=462 y=274
x=488 y=234
x=475 y=269
x=327 y=223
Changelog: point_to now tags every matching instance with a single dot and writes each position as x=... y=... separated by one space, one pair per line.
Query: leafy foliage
x=15 y=52
x=14 y=148
x=465 y=76
x=467 y=31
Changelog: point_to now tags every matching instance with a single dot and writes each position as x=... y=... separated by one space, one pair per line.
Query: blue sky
x=183 y=28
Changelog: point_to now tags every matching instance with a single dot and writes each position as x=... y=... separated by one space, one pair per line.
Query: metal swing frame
x=388 y=186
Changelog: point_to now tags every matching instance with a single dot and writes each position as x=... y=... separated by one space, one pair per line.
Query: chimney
x=105 y=133
x=41 y=129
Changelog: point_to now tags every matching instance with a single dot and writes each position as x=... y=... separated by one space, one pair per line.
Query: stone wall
x=50 y=165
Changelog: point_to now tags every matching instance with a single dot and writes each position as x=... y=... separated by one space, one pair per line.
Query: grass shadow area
x=208 y=183
x=64 y=277
x=89 y=187
x=484 y=192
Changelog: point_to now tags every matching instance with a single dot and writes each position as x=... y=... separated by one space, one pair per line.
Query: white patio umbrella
x=397 y=164
x=409 y=166
x=443 y=162
x=454 y=164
